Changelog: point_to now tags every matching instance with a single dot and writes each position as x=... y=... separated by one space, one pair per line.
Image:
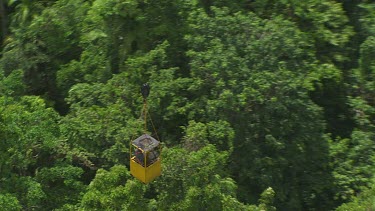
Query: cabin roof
x=146 y=142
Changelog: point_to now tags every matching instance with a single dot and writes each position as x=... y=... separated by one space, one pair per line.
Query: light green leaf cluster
x=114 y=190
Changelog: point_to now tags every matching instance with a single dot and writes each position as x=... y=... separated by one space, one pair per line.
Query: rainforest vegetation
x=258 y=104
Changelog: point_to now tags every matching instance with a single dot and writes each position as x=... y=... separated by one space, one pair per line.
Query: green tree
x=40 y=45
x=325 y=22
x=9 y=202
x=36 y=165
x=235 y=93
x=114 y=190
x=362 y=202
x=365 y=74
x=353 y=161
x=198 y=181
x=104 y=117
x=114 y=34
x=241 y=70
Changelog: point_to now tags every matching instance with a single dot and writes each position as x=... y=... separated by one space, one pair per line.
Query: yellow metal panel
x=137 y=170
x=148 y=174
x=153 y=171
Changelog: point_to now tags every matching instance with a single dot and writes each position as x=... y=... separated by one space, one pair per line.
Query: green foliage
x=29 y=148
x=9 y=202
x=363 y=113
x=256 y=102
x=325 y=22
x=196 y=182
x=196 y=136
x=13 y=84
x=103 y=117
x=362 y=202
x=61 y=184
x=101 y=131
x=41 y=43
x=218 y=133
x=366 y=72
x=266 y=199
x=263 y=101
x=30 y=129
x=353 y=163
x=114 y=190
x=367 y=18
x=353 y=158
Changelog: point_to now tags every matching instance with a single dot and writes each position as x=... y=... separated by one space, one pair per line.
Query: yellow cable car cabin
x=145 y=163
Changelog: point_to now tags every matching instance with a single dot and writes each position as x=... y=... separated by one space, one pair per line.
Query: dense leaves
x=260 y=105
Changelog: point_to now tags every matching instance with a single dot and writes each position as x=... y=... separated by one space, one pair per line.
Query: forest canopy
x=259 y=105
